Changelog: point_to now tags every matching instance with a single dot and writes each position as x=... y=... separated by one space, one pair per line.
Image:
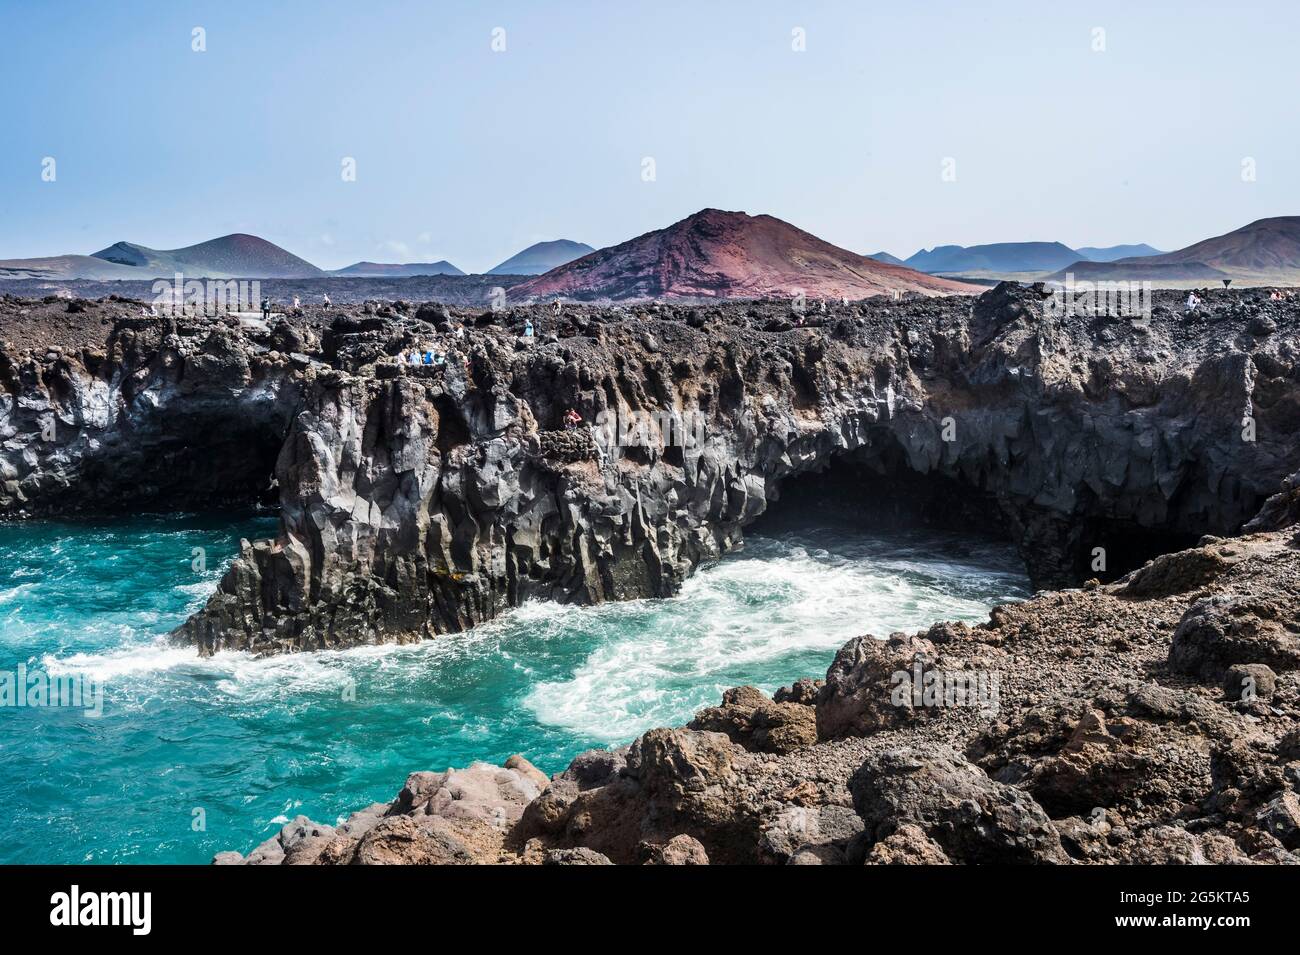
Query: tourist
x=326 y=297
x=266 y=308
x=528 y=328
x=1192 y=301
x=571 y=420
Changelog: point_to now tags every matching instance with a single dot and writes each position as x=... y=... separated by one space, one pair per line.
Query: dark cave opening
x=453 y=431
x=873 y=488
x=1109 y=549
x=186 y=461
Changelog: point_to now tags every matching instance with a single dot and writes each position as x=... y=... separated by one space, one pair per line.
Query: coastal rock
x=1247 y=681
x=870 y=685
x=803 y=691
x=679 y=850
x=970 y=816
x=1230 y=628
x=1099 y=752
x=748 y=717
x=579 y=856
x=907 y=845
x=419 y=500
x=457 y=817
x=1074 y=761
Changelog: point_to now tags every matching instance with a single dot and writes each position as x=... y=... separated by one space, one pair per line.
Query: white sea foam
x=741 y=616
x=120 y=662
x=10 y=594
x=646 y=662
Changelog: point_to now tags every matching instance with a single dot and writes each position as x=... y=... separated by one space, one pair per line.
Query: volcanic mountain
x=394 y=270
x=1264 y=246
x=1267 y=251
x=1112 y=252
x=542 y=257
x=231 y=256
x=715 y=254
x=64 y=267
x=998 y=258
x=236 y=256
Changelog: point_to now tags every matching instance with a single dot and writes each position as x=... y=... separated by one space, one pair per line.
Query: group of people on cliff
x=435 y=353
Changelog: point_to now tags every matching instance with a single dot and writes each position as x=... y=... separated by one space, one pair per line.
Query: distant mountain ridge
x=1264 y=245
x=1011 y=258
x=238 y=255
x=379 y=270
x=715 y=254
x=719 y=254
x=542 y=257
x=1112 y=252
x=1266 y=251
x=996 y=257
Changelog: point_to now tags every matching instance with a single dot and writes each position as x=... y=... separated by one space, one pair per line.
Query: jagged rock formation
x=417 y=500
x=1099 y=747
x=1153 y=719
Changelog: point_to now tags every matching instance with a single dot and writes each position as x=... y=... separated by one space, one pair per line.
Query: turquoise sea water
x=192 y=756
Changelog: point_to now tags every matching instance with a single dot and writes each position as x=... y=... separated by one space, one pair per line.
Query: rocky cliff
x=418 y=500
x=1149 y=718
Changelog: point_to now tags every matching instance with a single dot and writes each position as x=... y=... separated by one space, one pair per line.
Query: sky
x=897 y=126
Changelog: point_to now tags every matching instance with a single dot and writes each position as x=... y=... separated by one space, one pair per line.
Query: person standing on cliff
x=325 y=296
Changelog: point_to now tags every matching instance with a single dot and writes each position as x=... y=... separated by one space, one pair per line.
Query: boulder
x=1225 y=629
x=1249 y=681
x=972 y=818
x=748 y=717
x=679 y=850
x=868 y=686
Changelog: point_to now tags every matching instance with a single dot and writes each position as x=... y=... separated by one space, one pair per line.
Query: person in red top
x=572 y=419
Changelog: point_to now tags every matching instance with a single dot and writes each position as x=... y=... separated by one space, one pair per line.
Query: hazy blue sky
x=468 y=154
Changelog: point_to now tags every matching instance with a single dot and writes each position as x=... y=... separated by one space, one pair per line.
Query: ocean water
x=191 y=756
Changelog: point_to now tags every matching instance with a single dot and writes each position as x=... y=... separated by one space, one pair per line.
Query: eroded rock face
x=418 y=500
